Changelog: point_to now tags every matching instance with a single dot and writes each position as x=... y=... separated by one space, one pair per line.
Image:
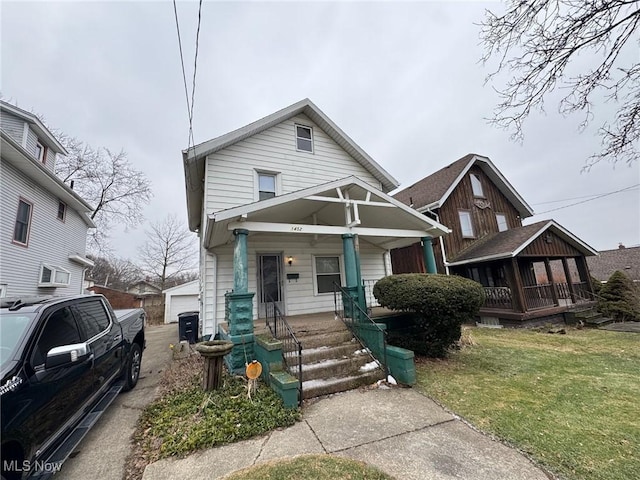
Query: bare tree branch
x=170 y=251
x=537 y=43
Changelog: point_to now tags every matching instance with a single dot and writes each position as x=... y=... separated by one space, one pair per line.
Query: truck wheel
x=132 y=370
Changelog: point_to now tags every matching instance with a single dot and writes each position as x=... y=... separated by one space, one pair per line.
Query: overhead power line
x=591 y=199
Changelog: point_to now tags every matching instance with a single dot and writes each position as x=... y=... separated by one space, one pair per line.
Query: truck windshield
x=12 y=328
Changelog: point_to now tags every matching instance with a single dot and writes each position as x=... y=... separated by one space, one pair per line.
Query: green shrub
x=441 y=304
x=619 y=298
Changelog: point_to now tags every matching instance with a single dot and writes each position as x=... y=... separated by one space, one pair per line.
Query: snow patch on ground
x=368 y=367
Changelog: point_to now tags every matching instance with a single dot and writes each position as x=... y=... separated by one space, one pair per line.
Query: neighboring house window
x=501 y=218
x=53 y=276
x=327 y=272
x=3 y=290
x=304 y=138
x=466 y=224
x=476 y=186
x=62 y=210
x=41 y=152
x=23 y=222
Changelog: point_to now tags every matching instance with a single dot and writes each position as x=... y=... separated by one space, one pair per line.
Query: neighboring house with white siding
x=44 y=223
x=286 y=206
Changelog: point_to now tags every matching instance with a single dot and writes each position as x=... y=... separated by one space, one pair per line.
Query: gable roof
x=378 y=218
x=194 y=158
x=431 y=192
x=510 y=243
x=627 y=260
x=37 y=126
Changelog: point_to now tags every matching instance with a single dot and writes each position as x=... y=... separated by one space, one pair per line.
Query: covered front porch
x=545 y=275
x=288 y=252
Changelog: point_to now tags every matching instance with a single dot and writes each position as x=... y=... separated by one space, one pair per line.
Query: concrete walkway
x=623 y=327
x=398 y=430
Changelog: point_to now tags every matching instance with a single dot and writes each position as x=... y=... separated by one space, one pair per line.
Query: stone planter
x=213 y=352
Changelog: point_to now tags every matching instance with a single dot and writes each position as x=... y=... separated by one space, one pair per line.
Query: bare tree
x=114 y=272
x=170 y=250
x=537 y=44
x=107 y=181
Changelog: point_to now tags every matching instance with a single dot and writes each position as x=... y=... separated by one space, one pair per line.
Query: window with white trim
x=476 y=185
x=23 y=222
x=304 y=138
x=466 y=223
x=62 y=210
x=501 y=219
x=267 y=185
x=53 y=276
x=41 y=152
x=3 y=290
x=326 y=273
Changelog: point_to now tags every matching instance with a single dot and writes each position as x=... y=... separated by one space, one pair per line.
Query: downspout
x=441 y=239
x=84 y=271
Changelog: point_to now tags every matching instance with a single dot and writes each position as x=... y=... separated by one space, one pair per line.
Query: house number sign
x=296 y=229
x=482 y=204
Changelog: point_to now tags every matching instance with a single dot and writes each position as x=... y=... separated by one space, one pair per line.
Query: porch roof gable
x=512 y=242
x=348 y=205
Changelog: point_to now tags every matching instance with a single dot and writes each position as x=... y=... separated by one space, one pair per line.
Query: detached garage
x=182 y=298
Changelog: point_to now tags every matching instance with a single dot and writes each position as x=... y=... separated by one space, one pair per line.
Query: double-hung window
x=466 y=223
x=476 y=186
x=23 y=221
x=41 y=152
x=62 y=210
x=266 y=185
x=327 y=272
x=304 y=138
x=501 y=219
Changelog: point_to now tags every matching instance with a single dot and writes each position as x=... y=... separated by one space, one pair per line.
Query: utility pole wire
x=589 y=200
x=572 y=198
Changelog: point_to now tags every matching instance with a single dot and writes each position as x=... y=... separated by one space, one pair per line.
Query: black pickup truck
x=62 y=360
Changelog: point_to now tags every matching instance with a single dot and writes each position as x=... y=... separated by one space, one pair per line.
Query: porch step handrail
x=358 y=315
x=291 y=346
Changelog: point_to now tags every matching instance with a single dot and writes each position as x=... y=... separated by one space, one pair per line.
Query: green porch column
x=352 y=272
x=429 y=258
x=240 y=308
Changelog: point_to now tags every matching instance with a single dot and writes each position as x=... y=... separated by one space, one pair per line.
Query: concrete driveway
x=103 y=451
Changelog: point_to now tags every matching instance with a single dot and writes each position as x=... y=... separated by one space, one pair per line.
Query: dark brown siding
x=549 y=245
x=408 y=259
x=484 y=219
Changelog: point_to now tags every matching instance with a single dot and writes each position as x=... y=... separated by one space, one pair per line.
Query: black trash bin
x=188 y=325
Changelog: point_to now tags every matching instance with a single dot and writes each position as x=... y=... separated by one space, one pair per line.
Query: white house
x=181 y=298
x=286 y=206
x=44 y=222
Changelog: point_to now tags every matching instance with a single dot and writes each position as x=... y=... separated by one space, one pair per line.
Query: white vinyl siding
x=50 y=240
x=229 y=176
x=12 y=126
x=299 y=294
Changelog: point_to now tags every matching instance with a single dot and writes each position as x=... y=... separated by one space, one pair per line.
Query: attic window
x=476 y=186
x=41 y=152
x=62 y=210
x=304 y=139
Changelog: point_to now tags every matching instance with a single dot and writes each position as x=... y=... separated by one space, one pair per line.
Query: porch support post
x=554 y=293
x=585 y=276
x=352 y=271
x=239 y=308
x=429 y=257
x=517 y=290
x=567 y=275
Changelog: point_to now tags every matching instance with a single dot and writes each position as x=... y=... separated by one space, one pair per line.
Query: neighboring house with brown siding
x=625 y=259
x=118 y=299
x=489 y=244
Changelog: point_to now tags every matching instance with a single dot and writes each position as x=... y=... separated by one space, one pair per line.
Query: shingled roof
x=510 y=243
x=431 y=192
x=627 y=260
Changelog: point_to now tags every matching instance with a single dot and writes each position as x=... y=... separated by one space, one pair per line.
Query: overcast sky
x=403 y=80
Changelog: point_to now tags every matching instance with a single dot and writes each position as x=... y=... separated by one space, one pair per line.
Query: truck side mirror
x=66 y=355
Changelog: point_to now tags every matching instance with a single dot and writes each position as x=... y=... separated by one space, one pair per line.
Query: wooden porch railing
x=538 y=296
x=498 y=297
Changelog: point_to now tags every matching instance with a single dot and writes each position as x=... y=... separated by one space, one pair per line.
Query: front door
x=269 y=282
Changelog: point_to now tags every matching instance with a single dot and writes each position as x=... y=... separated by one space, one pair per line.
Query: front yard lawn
x=570 y=401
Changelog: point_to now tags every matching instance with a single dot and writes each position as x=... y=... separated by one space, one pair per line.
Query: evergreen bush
x=440 y=304
x=619 y=298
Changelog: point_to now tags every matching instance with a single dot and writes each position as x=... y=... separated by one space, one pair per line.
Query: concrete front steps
x=334 y=361
x=589 y=316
